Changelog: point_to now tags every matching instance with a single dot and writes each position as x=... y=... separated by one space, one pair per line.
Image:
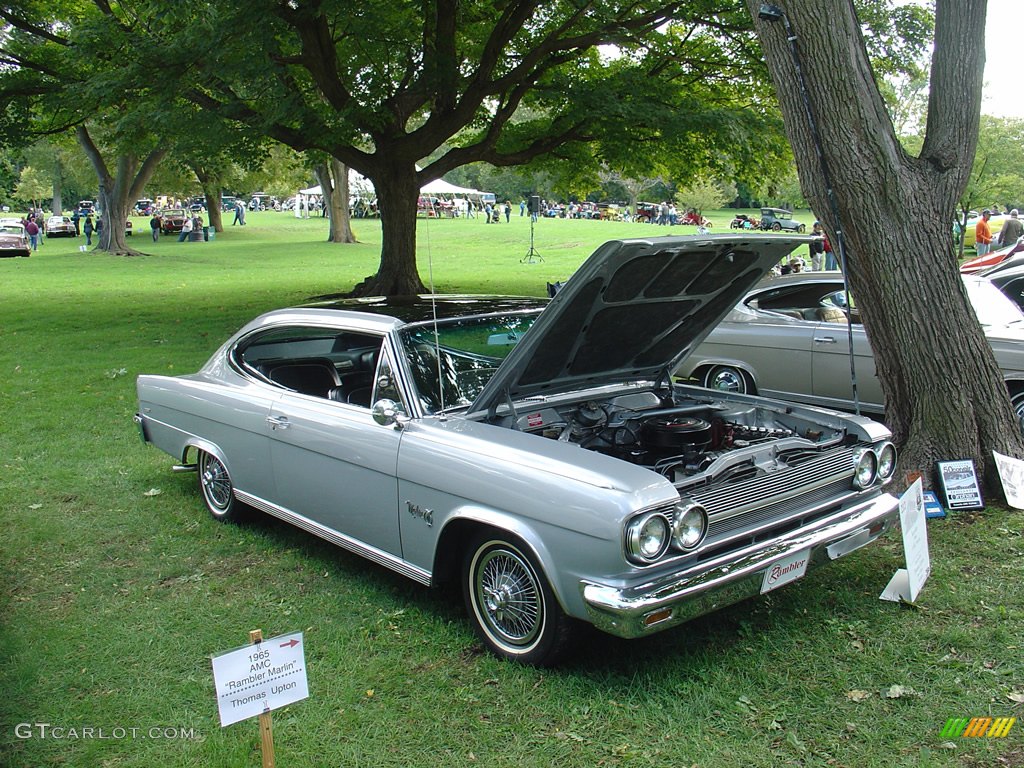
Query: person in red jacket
x=32 y=230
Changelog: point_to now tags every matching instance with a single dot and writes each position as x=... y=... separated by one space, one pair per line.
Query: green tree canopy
x=407 y=93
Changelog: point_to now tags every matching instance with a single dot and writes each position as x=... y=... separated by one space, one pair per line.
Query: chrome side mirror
x=388 y=413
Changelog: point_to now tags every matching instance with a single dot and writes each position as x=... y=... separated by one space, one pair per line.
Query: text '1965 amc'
x=540 y=454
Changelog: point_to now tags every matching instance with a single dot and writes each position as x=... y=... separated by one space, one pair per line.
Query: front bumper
x=651 y=606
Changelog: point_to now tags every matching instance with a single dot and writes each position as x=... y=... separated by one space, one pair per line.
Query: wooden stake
x=266 y=725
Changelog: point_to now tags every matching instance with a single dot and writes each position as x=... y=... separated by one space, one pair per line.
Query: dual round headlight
x=873 y=464
x=691 y=525
x=648 y=536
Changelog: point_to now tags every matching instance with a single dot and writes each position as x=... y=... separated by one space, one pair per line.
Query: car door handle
x=824 y=339
x=278 y=422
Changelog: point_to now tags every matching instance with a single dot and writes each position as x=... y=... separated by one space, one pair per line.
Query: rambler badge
x=784 y=571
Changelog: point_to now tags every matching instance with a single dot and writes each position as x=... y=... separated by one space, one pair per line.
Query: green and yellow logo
x=978 y=727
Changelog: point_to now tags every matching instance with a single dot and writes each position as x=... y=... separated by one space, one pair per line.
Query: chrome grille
x=739 y=502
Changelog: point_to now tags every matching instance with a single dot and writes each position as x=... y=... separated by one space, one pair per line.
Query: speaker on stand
x=532 y=255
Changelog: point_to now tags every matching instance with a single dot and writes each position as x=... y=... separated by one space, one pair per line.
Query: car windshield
x=993 y=307
x=470 y=349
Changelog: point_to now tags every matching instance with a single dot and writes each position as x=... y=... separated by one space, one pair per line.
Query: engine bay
x=679 y=437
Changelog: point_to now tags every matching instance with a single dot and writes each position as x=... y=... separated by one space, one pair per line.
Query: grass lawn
x=117 y=586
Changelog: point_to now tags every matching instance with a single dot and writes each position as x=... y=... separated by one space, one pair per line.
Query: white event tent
x=360 y=186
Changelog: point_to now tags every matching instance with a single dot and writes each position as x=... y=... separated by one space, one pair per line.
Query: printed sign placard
x=959 y=484
x=906 y=584
x=1011 y=475
x=261 y=677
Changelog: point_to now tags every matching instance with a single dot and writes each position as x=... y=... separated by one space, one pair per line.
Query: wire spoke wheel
x=507 y=591
x=215 y=486
x=511 y=604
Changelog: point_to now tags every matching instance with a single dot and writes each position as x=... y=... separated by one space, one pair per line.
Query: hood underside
x=633 y=311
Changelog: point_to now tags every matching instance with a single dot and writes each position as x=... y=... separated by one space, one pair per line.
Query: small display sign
x=959 y=484
x=907 y=582
x=259 y=678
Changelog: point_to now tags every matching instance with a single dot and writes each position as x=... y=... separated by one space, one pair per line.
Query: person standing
x=831 y=262
x=817 y=247
x=186 y=230
x=983 y=234
x=32 y=230
x=508 y=211
x=87 y=228
x=1012 y=230
x=76 y=219
x=154 y=225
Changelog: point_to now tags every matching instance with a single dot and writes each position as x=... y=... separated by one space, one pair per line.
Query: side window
x=321 y=362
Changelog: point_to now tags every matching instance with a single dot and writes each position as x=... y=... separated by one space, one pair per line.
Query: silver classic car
x=538 y=454
x=788 y=339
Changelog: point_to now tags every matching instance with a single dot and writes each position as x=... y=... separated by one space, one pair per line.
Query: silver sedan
x=789 y=339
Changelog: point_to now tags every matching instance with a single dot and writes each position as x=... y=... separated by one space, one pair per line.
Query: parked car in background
x=990 y=259
x=172 y=220
x=60 y=226
x=646 y=212
x=1009 y=280
x=537 y=454
x=13 y=239
x=788 y=339
x=86 y=207
x=779 y=219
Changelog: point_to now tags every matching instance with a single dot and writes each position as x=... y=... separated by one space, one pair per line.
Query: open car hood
x=633 y=311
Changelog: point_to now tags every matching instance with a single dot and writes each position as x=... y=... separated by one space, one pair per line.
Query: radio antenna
x=433 y=312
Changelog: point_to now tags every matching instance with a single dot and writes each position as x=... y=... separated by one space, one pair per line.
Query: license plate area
x=786 y=570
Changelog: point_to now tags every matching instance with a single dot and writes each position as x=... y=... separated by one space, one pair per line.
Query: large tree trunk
x=945 y=395
x=117 y=191
x=398 y=190
x=57 y=205
x=333 y=181
x=211 y=192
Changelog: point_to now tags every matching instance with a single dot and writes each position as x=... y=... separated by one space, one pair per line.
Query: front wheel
x=728 y=379
x=215 y=486
x=510 y=603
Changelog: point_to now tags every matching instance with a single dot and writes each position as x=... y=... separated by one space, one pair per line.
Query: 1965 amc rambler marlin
x=538 y=453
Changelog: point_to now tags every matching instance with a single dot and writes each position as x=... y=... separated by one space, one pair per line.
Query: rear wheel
x=216 y=488
x=510 y=603
x=776 y=227
x=728 y=379
x=1017 y=400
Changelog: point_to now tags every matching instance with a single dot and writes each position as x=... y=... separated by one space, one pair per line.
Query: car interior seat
x=310 y=377
x=831 y=315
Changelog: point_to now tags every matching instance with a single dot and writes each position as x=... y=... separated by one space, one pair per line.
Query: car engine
x=678 y=437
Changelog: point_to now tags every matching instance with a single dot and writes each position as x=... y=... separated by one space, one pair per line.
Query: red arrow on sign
x=290 y=644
